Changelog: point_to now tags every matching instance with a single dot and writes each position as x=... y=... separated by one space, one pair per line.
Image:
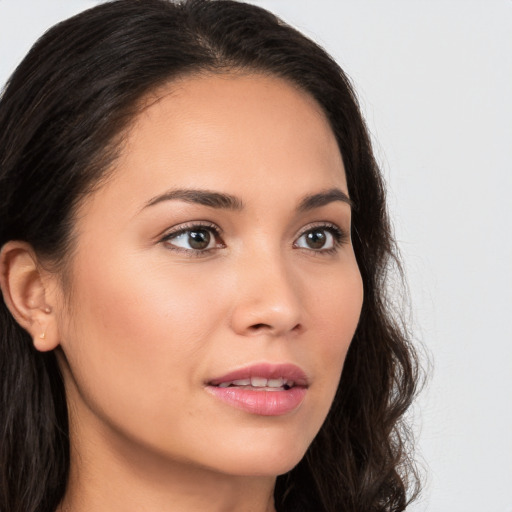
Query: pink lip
x=266 y=370
x=264 y=403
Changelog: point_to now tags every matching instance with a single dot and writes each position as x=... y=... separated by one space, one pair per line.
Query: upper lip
x=289 y=372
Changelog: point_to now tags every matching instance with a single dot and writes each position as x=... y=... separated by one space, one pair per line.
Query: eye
x=194 y=238
x=324 y=238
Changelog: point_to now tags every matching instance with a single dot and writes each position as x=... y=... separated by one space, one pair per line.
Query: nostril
x=257 y=327
x=265 y=327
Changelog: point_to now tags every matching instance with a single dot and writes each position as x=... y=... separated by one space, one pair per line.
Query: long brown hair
x=61 y=115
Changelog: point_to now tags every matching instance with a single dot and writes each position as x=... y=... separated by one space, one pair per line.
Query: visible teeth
x=242 y=382
x=275 y=383
x=258 y=382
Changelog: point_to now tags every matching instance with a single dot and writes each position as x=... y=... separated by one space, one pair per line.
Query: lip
x=266 y=370
x=262 y=402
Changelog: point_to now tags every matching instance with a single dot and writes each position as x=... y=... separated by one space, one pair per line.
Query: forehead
x=246 y=134
x=234 y=112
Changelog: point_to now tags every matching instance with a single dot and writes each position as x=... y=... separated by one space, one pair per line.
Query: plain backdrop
x=434 y=79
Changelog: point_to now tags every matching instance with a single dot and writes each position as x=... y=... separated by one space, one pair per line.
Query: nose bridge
x=268 y=298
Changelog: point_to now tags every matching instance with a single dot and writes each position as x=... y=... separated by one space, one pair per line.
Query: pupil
x=199 y=239
x=316 y=239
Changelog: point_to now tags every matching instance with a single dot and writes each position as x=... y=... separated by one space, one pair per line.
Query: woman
x=194 y=246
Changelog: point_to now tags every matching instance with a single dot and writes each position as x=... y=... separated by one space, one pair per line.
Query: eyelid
x=190 y=226
x=340 y=235
x=175 y=230
x=320 y=224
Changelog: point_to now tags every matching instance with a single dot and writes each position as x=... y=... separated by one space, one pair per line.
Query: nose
x=268 y=299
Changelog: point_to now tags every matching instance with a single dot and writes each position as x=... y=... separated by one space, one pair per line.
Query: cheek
x=141 y=307
x=336 y=304
x=135 y=335
x=335 y=312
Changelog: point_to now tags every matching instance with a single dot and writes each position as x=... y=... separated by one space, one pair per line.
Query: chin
x=257 y=459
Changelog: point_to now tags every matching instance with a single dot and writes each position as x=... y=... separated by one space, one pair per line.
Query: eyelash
x=195 y=226
x=339 y=237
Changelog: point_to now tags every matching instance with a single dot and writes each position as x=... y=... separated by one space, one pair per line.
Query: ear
x=25 y=287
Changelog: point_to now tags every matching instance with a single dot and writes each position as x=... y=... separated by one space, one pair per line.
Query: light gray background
x=434 y=79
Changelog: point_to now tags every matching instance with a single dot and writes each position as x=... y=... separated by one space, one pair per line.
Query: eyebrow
x=225 y=201
x=313 y=201
x=204 y=197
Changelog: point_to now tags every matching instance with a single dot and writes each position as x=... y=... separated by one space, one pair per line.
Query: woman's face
x=213 y=292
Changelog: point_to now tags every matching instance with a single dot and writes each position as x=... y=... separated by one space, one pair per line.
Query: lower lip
x=264 y=403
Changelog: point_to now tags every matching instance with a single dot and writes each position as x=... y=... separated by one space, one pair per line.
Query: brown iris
x=316 y=239
x=199 y=239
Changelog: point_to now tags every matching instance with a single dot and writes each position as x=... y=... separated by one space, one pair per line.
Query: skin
x=145 y=322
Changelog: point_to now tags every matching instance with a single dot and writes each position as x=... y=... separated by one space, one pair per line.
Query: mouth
x=263 y=389
x=260 y=384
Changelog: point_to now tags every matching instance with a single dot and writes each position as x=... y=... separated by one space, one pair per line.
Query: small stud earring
x=42 y=335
